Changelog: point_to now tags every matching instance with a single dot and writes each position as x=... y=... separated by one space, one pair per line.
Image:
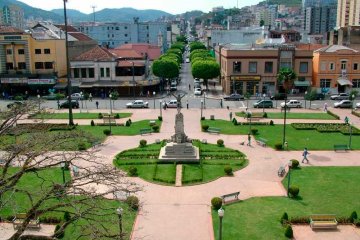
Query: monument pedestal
x=179 y=152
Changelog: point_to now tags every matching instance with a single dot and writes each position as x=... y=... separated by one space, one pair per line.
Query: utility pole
x=93 y=7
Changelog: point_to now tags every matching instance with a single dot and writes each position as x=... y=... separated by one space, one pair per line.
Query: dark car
x=278 y=96
x=74 y=104
x=263 y=104
x=14 y=104
x=234 y=97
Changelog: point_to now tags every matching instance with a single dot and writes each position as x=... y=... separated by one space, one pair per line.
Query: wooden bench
x=234 y=196
x=145 y=131
x=213 y=130
x=323 y=221
x=19 y=219
x=109 y=120
x=261 y=141
x=281 y=171
x=343 y=147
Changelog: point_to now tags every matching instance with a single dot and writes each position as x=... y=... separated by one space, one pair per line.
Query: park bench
x=234 y=197
x=145 y=131
x=20 y=218
x=254 y=119
x=214 y=130
x=323 y=221
x=341 y=147
x=261 y=141
x=281 y=171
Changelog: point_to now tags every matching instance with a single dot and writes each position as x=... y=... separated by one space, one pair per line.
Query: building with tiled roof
x=152 y=52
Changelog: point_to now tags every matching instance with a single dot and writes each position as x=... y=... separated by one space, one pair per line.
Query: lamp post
x=353 y=100
x=305 y=98
x=221 y=215
x=284 y=128
x=81 y=100
x=160 y=108
x=264 y=95
x=119 y=212
x=38 y=96
x=110 y=96
x=62 y=165
x=154 y=98
x=202 y=105
x=133 y=77
x=204 y=100
x=289 y=173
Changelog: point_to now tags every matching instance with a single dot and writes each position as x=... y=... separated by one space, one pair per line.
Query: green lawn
x=76 y=115
x=36 y=183
x=292 y=115
x=211 y=166
x=326 y=190
x=297 y=139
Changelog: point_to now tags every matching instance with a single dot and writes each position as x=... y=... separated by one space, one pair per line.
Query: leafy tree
x=165 y=68
x=198 y=51
x=196 y=45
x=311 y=96
x=205 y=70
x=181 y=38
x=172 y=56
x=178 y=45
x=353 y=93
x=174 y=51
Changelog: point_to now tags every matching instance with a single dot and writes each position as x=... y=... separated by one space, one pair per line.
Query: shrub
x=216 y=203
x=235 y=121
x=271 y=123
x=128 y=123
x=100 y=116
x=265 y=115
x=59 y=96
x=133 y=202
x=156 y=128
x=67 y=216
x=81 y=146
x=18 y=98
x=57 y=233
x=48 y=219
x=254 y=131
x=133 y=171
x=205 y=127
x=353 y=217
x=117 y=116
x=294 y=163
x=92 y=123
x=289 y=232
x=160 y=118
x=284 y=218
x=143 y=143
x=228 y=170
x=202 y=118
x=107 y=132
x=294 y=191
x=278 y=146
x=220 y=142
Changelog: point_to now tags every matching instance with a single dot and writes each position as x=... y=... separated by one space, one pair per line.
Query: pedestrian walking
x=325 y=107
x=58 y=103
x=214 y=84
x=221 y=103
x=187 y=104
x=189 y=87
x=346 y=120
x=148 y=93
x=90 y=97
x=230 y=115
x=249 y=140
x=305 y=153
x=227 y=107
x=97 y=104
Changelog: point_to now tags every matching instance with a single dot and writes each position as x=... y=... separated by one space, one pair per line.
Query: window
x=325 y=83
x=356 y=83
x=303 y=67
x=9 y=66
x=21 y=65
x=48 y=65
x=126 y=35
x=47 y=51
x=252 y=67
x=83 y=73
x=102 y=72
x=332 y=66
x=39 y=65
x=21 y=51
x=343 y=65
x=125 y=27
x=76 y=73
x=38 y=51
x=356 y=66
x=269 y=67
x=8 y=51
x=323 y=66
x=112 y=35
x=91 y=73
x=117 y=28
x=107 y=72
x=237 y=67
x=108 y=35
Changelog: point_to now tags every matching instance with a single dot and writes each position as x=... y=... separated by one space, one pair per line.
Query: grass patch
x=327 y=190
x=75 y=115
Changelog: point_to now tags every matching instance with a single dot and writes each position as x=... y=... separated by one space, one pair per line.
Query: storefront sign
x=245 y=78
x=13 y=80
x=41 y=81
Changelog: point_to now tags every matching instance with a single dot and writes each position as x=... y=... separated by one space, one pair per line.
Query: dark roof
x=80 y=36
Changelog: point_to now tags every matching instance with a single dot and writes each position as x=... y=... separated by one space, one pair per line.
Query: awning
x=130 y=64
x=302 y=83
x=344 y=82
x=60 y=86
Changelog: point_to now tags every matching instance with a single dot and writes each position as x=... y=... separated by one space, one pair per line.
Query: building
x=348 y=13
x=336 y=69
x=317 y=3
x=347 y=36
x=319 y=20
x=114 y=34
x=267 y=14
x=246 y=69
x=12 y=15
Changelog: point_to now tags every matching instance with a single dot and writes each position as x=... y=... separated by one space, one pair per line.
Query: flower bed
x=327 y=127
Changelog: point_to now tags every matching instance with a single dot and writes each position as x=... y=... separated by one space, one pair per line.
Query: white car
x=340 y=96
x=291 y=104
x=343 y=104
x=197 y=91
x=357 y=105
x=172 y=104
x=137 y=104
x=76 y=96
x=187 y=60
x=196 y=81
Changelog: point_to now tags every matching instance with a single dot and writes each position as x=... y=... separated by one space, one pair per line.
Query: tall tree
x=206 y=70
x=286 y=77
x=196 y=45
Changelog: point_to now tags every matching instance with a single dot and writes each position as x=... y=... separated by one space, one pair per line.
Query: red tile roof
x=308 y=46
x=80 y=36
x=152 y=51
x=10 y=29
x=126 y=53
x=95 y=54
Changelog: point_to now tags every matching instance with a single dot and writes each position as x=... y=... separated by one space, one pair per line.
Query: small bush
x=160 y=118
x=278 y=146
x=128 y=123
x=254 y=131
x=133 y=202
x=67 y=216
x=228 y=170
x=265 y=115
x=289 y=232
x=100 y=116
x=58 y=234
x=220 y=142
x=271 y=123
x=92 y=123
x=235 y=122
x=284 y=218
x=117 y=116
x=294 y=191
x=133 y=171
x=107 y=132
x=81 y=146
x=294 y=163
x=216 y=203
x=205 y=127
x=49 y=219
x=353 y=217
x=18 y=98
x=202 y=118
x=143 y=143
x=156 y=128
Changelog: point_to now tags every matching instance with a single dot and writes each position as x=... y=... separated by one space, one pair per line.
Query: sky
x=170 y=6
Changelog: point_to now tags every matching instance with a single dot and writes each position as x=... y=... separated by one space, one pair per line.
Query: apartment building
x=348 y=13
x=12 y=15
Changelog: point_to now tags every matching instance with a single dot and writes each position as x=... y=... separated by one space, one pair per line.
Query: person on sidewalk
x=189 y=87
x=230 y=115
x=325 y=107
x=249 y=140
x=90 y=97
x=97 y=104
x=305 y=153
x=187 y=104
x=221 y=103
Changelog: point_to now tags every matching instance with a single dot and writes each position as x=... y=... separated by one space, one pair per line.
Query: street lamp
x=264 y=95
x=110 y=96
x=202 y=105
x=284 y=127
x=62 y=165
x=353 y=100
x=160 y=108
x=289 y=173
x=154 y=98
x=81 y=100
x=119 y=212
x=38 y=96
x=204 y=100
x=305 y=98
x=221 y=215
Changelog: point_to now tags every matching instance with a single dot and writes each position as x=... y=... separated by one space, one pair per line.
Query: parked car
x=278 y=96
x=66 y=104
x=76 y=96
x=197 y=91
x=234 y=97
x=173 y=87
x=172 y=103
x=196 y=81
x=263 y=104
x=291 y=104
x=343 y=104
x=137 y=104
x=14 y=104
x=49 y=97
x=340 y=96
x=357 y=105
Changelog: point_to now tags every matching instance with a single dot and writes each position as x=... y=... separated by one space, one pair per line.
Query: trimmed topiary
x=92 y=123
x=143 y=143
x=127 y=123
x=254 y=131
x=117 y=116
x=156 y=128
x=235 y=122
x=205 y=127
x=133 y=171
x=278 y=146
x=289 y=232
x=294 y=191
x=294 y=163
x=67 y=216
x=202 y=118
x=216 y=203
x=160 y=118
x=220 y=142
x=284 y=218
x=133 y=202
x=353 y=217
x=265 y=115
x=271 y=123
x=107 y=132
x=100 y=116
x=228 y=170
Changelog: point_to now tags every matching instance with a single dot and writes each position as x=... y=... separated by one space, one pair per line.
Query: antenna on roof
x=93 y=7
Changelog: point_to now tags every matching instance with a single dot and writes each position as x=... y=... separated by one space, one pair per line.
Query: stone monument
x=180 y=149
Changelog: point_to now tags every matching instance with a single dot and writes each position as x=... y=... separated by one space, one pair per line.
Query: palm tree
x=286 y=78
